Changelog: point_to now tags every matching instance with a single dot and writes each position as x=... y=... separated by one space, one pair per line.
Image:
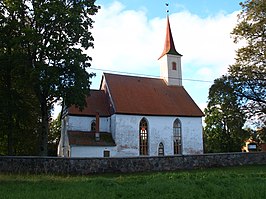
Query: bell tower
x=170 y=60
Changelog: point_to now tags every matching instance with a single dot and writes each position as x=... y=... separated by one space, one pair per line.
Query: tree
x=18 y=114
x=261 y=135
x=53 y=34
x=249 y=71
x=19 y=118
x=224 y=119
x=54 y=135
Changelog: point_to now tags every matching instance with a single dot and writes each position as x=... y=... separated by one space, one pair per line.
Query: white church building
x=132 y=116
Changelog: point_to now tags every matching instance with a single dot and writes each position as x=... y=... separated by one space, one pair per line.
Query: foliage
x=54 y=135
x=249 y=70
x=238 y=182
x=224 y=119
x=19 y=117
x=50 y=35
x=259 y=135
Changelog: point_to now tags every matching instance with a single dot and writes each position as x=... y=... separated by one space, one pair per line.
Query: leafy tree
x=259 y=135
x=18 y=114
x=262 y=135
x=52 y=35
x=54 y=135
x=19 y=118
x=224 y=119
x=249 y=71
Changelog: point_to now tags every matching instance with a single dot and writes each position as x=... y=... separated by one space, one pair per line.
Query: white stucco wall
x=172 y=77
x=78 y=123
x=192 y=135
x=126 y=134
x=91 y=151
x=125 y=131
x=113 y=126
x=160 y=129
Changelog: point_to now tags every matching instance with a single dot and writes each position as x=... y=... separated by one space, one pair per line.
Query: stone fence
x=85 y=166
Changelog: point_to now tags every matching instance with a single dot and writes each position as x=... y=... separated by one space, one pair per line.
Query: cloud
x=204 y=42
x=128 y=41
x=124 y=39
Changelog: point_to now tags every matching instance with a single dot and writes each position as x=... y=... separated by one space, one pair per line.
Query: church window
x=93 y=125
x=106 y=153
x=173 y=65
x=161 y=149
x=177 y=138
x=143 y=137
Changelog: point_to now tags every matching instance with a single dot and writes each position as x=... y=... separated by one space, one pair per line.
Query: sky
x=129 y=37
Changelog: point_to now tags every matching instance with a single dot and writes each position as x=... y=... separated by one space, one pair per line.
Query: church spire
x=169 y=46
x=170 y=60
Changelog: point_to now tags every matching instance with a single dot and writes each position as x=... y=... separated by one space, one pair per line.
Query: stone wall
x=84 y=166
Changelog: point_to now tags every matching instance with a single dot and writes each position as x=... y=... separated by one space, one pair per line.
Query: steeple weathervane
x=167 y=10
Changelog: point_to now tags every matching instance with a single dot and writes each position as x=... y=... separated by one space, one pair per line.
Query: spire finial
x=167 y=10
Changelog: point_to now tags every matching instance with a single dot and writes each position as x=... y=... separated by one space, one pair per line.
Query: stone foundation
x=85 y=166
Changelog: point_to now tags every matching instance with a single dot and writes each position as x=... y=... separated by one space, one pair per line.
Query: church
x=131 y=116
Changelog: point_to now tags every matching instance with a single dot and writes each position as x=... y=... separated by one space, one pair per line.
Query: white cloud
x=126 y=40
x=205 y=42
x=204 y=71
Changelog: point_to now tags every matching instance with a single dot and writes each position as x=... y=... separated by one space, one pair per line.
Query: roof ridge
x=133 y=76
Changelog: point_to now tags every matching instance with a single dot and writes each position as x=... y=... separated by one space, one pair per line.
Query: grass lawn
x=236 y=182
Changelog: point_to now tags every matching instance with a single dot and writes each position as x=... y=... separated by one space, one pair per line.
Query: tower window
x=173 y=65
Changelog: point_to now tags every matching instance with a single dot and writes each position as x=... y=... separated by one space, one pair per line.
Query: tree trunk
x=44 y=127
x=10 y=129
x=10 y=139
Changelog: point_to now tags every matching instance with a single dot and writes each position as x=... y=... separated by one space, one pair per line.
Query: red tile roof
x=96 y=102
x=149 y=96
x=169 y=46
x=81 y=138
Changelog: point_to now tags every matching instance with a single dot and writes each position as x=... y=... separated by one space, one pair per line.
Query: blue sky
x=156 y=8
x=129 y=38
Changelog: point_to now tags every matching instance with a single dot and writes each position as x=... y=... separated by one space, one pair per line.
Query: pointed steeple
x=170 y=60
x=169 y=46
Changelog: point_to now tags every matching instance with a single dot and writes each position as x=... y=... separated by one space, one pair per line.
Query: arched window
x=93 y=125
x=143 y=137
x=161 y=149
x=173 y=65
x=177 y=135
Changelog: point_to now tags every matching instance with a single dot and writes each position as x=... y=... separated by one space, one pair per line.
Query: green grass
x=236 y=182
